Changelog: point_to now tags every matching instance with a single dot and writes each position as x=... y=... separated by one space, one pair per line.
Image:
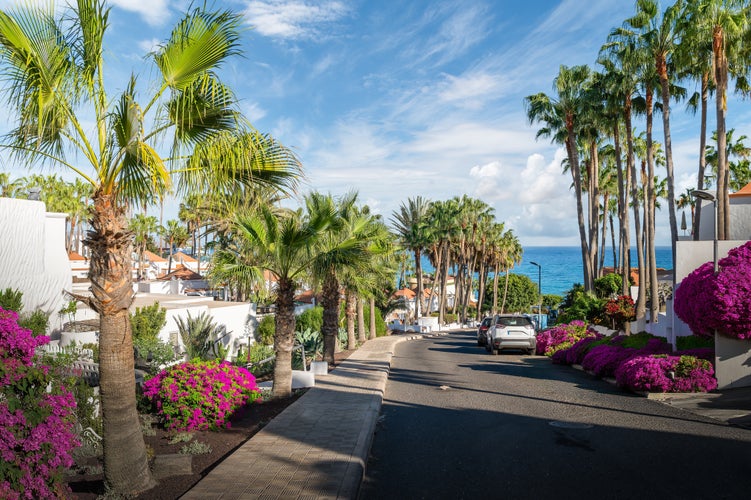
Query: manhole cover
x=570 y=425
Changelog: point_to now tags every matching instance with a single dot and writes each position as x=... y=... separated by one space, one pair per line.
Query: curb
x=352 y=480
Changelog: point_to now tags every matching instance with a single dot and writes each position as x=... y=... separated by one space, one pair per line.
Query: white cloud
x=293 y=19
x=154 y=12
x=147 y=46
x=254 y=112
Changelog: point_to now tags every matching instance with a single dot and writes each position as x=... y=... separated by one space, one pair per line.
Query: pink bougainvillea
x=562 y=337
x=200 y=395
x=663 y=373
x=36 y=419
x=722 y=302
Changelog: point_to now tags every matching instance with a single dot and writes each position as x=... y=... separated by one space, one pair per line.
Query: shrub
x=200 y=395
x=608 y=285
x=258 y=352
x=575 y=354
x=264 y=334
x=148 y=321
x=583 y=307
x=11 y=300
x=694 y=342
x=707 y=302
x=310 y=319
x=202 y=337
x=160 y=353
x=604 y=360
x=312 y=342
x=663 y=373
x=637 y=340
x=36 y=322
x=620 y=310
x=36 y=418
x=561 y=337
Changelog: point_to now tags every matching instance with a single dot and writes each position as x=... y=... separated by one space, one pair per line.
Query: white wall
x=32 y=256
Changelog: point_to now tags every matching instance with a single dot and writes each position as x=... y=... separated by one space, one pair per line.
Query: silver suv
x=511 y=331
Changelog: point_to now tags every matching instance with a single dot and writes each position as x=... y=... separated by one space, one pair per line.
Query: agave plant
x=202 y=337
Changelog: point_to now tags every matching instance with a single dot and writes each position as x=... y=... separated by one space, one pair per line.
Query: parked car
x=511 y=331
x=482 y=331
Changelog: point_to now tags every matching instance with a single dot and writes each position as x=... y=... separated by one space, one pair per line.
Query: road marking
x=570 y=425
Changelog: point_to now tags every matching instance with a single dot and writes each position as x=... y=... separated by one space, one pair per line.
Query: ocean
x=561 y=267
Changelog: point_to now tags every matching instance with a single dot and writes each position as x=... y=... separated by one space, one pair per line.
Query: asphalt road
x=459 y=423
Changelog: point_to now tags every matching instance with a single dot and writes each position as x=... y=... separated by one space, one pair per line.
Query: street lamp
x=706 y=195
x=539 y=290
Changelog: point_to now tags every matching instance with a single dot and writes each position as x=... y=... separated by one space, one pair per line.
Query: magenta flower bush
x=575 y=354
x=36 y=424
x=604 y=360
x=200 y=395
x=562 y=337
x=706 y=302
x=664 y=373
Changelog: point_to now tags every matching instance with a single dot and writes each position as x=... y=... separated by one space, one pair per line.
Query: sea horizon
x=561 y=266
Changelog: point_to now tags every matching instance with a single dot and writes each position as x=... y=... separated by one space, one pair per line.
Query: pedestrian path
x=318 y=447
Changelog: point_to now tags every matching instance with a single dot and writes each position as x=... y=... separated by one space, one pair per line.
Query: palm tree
x=176 y=235
x=409 y=225
x=191 y=214
x=283 y=243
x=725 y=22
x=659 y=33
x=561 y=115
x=738 y=170
x=142 y=226
x=55 y=67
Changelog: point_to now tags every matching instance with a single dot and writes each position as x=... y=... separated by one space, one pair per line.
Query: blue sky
x=399 y=98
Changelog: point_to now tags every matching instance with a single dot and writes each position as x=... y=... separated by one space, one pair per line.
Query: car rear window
x=520 y=321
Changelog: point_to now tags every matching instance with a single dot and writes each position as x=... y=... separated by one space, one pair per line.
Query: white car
x=511 y=331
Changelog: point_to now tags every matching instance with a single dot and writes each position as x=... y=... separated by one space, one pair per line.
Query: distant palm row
x=590 y=112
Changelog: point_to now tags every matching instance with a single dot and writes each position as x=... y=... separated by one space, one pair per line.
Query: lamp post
x=539 y=290
x=706 y=195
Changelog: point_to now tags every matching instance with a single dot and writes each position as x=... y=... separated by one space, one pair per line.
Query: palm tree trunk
x=495 y=290
x=350 y=305
x=505 y=292
x=650 y=208
x=330 y=327
x=361 y=334
x=573 y=158
x=604 y=234
x=624 y=188
x=702 y=152
x=418 y=274
x=721 y=77
x=126 y=467
x=593 y=193
x=664 y=84
x=373 y=332
x=641 y=295
x=284 y=337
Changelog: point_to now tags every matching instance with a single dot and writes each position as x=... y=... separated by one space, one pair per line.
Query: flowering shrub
x=562 y=337
x=575 y=354
x=36 y=424
x=722 y=302
x=663 y=373
x=200 y=395
x=620 y=310
x=604 y=360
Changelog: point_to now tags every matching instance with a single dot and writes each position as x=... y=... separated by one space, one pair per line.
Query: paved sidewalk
x=318 y=447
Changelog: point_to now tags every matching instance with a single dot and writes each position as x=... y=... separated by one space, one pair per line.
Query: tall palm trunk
x=350 y=306
x=444 y=281
x=593 y=202
x=702 y=152
x=418 y=274
x=665 y=90
x=505 y=292
x=483 y=274
x=641 y=294
x=284 y=337
x=624 y=184
x=721 y=82
x=330 y=326
x=604 y=233
x=373 y=332
x=650 y=207
x=573 y=158
x=362 y=335
x=126 y=467
x=495 y=290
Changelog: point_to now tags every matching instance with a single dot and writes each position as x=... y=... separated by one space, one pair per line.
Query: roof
x=181 y=272
x=305 y=297
x=744 y=191
x=405 y=292
x=183 y=257
x=152 y=257
x=76 y=256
